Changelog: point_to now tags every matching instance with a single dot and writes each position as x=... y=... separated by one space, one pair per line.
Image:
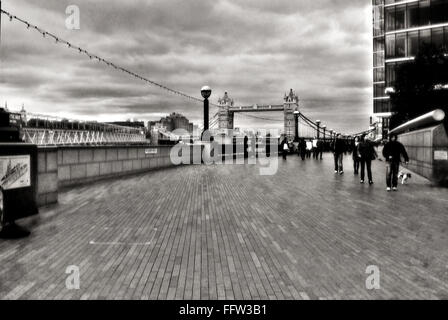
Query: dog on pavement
x=404 y=176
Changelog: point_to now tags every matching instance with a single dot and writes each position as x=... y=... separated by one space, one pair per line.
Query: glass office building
x=399 y=29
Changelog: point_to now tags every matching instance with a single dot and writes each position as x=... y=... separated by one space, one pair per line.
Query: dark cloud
x=254 y=49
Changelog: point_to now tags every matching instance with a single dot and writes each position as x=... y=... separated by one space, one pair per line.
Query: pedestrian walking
x=367 y=155
x=392 y=152
x=285 y=148
x=302 y=148
x=338 y=149
x=314 y=148
x=356 y=156
x=309 y=147
x=320 y=149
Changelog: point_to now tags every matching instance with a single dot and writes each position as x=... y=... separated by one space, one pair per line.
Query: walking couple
x=363 y=155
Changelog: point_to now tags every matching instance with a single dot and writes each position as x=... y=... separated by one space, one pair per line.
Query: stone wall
x=60 y=167
x=79 y=165
x=47 y=177
x=427 y=149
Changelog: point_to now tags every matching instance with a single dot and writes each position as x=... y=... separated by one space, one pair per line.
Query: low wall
x=428 y=152
x=47 y=177
x=60 y=167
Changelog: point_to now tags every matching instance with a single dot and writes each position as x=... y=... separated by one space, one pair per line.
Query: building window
x=390 y=46
x=400 y=45
x=378 y=74
x=378 y=90
x=412 y=15
x=400 y=17
x=424 y=37
x=437 y=37
x=424 y=13
x=378 y=45
x=380 y=106
x=390 y=74
x=412 y=43
x=390 y=18
x=378 y=59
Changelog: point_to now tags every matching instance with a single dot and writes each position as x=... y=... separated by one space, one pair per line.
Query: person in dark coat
x=356 y=156
x=302 y=148
x=246 y=147
x=320 y=149
x=339 y=148
x=392 y=152
x=367 y=154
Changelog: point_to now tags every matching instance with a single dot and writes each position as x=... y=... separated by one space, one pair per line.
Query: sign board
x=15 y=172
x=440 y=155
x=151 y=151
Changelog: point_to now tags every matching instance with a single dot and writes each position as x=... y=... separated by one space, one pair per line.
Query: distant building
x=399 y=29
x=172 y=122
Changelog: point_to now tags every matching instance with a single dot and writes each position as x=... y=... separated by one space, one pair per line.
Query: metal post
x=318 y=128
x=206 y=114
x=206 y=92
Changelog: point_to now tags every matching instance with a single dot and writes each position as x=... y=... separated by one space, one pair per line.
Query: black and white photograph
x=224 y=155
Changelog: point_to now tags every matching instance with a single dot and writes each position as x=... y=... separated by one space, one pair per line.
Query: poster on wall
x=440 y=155
x=151 y=151
x=15 y=172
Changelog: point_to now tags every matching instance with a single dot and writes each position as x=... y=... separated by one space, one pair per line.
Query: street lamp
x=296 y=118
x=318 y=127
x=325 y=129
x=206 y=91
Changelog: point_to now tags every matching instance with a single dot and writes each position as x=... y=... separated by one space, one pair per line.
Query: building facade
x=172 y=122
x=399 y=29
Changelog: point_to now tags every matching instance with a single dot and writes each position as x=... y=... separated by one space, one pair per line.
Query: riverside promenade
x=225 y=232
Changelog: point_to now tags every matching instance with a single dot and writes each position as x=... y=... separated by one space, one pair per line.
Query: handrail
x=428 y=119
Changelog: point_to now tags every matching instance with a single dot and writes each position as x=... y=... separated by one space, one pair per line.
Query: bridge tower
x=291 y=104
x=225 y=116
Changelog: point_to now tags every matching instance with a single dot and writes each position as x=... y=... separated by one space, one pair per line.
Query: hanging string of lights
x=59 y=40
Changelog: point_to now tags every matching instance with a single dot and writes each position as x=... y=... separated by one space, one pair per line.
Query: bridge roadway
x=215 y=232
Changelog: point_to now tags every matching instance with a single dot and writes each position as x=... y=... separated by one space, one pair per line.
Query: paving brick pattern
x=225 y=232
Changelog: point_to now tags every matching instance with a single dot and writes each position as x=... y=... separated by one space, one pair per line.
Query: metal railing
x=46 y=130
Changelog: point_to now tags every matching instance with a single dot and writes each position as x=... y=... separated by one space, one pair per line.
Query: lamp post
x=206 y=91
x=325 y=129
x=318 y=128
x=296 y=118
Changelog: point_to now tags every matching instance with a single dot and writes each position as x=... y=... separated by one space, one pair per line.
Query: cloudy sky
x=254 y=49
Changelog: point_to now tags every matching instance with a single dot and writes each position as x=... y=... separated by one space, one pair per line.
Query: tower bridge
x=228 y=109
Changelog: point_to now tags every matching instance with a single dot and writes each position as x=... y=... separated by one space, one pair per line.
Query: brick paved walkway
x=215 y=232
